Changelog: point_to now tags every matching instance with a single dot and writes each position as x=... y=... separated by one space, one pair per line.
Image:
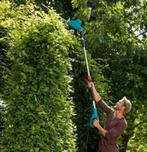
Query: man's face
x=120 y=104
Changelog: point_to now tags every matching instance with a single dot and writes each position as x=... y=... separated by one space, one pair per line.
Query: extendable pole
x=86 y=60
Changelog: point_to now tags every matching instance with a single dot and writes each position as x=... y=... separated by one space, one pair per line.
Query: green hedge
x=37 y=84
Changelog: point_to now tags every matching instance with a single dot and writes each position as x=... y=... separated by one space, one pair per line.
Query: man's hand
x=90 y=84
x=96 y=123
x=95 y=94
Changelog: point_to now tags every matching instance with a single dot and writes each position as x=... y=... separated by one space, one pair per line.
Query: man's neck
x=119 y=114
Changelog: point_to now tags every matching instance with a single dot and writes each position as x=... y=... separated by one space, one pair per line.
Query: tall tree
x=120 y=53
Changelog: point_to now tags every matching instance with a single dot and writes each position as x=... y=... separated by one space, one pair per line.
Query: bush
x=39 y=110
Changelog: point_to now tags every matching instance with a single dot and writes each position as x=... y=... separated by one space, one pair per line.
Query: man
x=115 y=124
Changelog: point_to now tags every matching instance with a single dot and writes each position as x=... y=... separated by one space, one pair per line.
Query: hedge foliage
x=36 y=86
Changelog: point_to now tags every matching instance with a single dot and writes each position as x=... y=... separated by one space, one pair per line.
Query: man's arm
x=96 y=95
x=113 y=132
x=98 y=126
x=98 y=99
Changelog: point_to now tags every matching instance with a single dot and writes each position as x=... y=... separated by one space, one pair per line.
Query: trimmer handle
x=93 y=116
x=89 y=78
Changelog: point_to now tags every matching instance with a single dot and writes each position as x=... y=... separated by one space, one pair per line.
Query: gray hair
x=128 y=104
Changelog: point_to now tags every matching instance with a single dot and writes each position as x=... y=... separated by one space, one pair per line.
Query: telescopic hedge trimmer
x=76 y=25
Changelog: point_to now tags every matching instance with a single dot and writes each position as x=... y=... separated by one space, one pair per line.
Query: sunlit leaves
x=39 y=110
